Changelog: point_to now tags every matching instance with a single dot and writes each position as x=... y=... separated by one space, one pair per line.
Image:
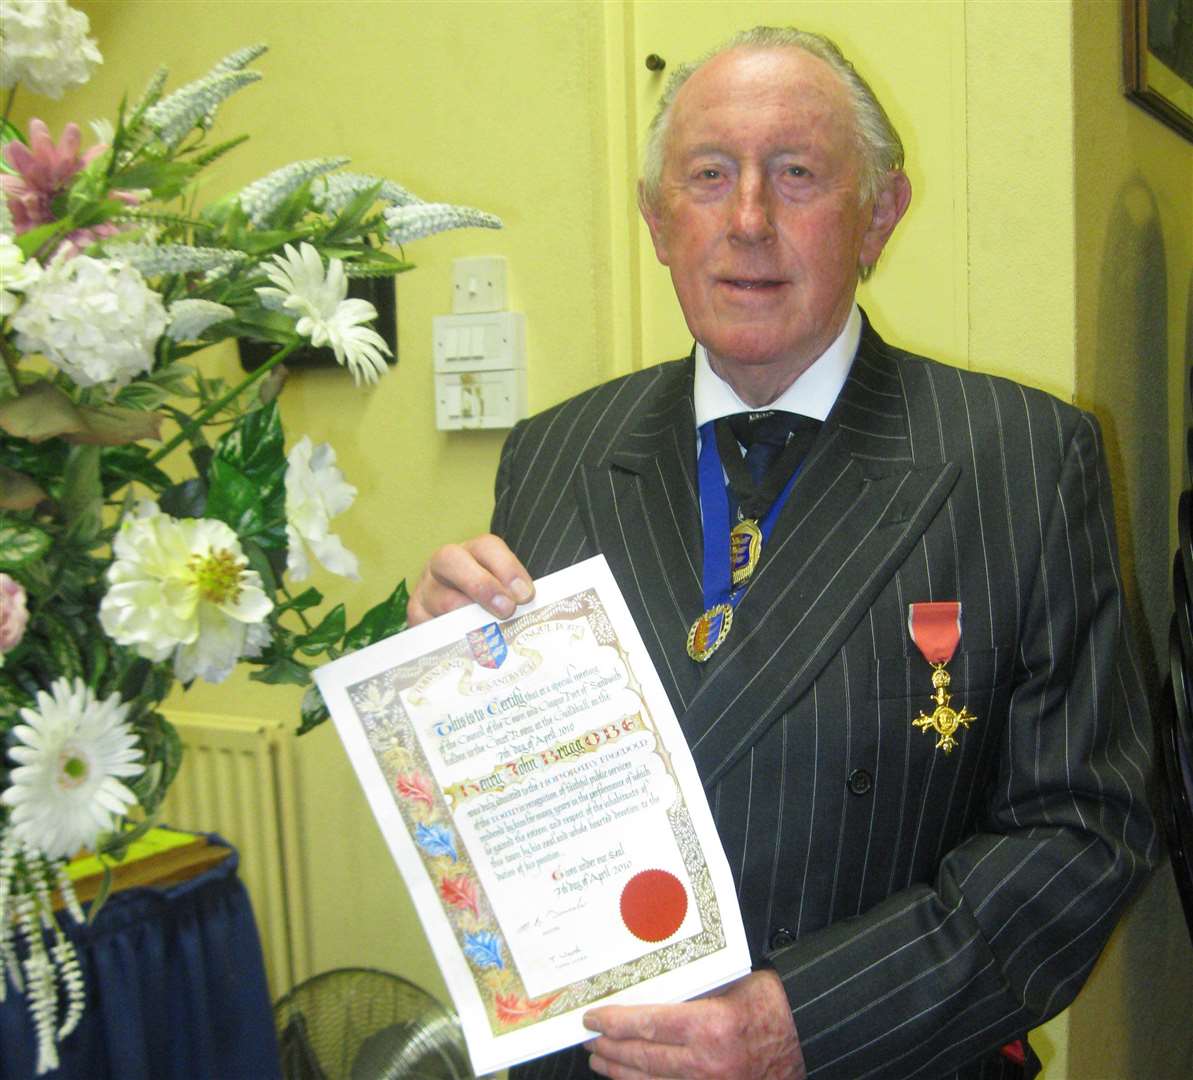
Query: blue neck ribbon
x=714 y=517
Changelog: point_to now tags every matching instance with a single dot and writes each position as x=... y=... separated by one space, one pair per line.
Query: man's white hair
x=879 y=144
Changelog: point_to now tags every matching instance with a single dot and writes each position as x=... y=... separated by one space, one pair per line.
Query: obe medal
x=936 y=630
x=709 y=631
x=745 y=548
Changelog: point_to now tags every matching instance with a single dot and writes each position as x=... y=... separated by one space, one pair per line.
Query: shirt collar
x=812 y=394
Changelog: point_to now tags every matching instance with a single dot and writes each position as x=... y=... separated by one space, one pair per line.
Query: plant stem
x=206 y=414
x=12 y=95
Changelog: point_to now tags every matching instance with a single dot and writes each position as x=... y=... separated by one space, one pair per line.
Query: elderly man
x=897 y=651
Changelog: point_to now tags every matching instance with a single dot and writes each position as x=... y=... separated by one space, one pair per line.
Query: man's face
x=758 y=215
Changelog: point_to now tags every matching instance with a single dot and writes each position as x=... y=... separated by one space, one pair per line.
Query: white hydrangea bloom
x=317 y=300
x=94 y=319
x=174 y=116
x=262 y=197
x=339 y=189
x=413 y=222
x=16 y=274
x=183 y=588
x=189 y=318
x=73 y=751
x=44 y=45
x=315 y=493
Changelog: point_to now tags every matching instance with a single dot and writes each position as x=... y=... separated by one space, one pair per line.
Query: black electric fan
x=364 y=1024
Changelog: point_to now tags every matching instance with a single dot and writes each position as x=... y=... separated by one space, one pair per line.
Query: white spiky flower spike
x=408 y=223
x=262 y=197
x=339 y=189
x=153 y=260
x=174 y=116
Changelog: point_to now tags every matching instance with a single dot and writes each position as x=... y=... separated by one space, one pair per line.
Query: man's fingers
x=482 y=571
x=653 y=1023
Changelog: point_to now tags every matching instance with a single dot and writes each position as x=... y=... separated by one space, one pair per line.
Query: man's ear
x=890 y=204
x=654 y=222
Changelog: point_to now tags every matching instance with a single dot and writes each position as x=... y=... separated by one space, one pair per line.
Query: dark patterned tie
x=763 y=434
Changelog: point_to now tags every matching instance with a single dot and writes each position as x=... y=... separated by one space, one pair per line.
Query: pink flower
x=45 y=171
x=13 y=614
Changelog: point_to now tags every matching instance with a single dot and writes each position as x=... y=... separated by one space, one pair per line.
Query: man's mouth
x=752 y=283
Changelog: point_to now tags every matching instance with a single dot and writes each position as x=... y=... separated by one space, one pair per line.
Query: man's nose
x=751 y=213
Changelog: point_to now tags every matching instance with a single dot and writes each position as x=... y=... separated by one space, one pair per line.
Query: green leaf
x=219 y=150
x=328 y=632
x=388 y=617
x=283 y=670
x=307 y=599
x=263 y=324
x=82 y=498
x=346 y=225
x=30 y=242
x=185 y=500
x=8 y=386
x=101 y=895
x=247 y=478
x=313 y=710
x=259 y=560
x=41 y=411
x=122 y=464
x=20 y=543
x=18 y=491
x=65 y=658
x=164 y=178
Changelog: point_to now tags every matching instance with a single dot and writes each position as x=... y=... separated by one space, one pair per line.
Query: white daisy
x=183 y=586
x=317 y=300
x=73 y=748
x=315 y=492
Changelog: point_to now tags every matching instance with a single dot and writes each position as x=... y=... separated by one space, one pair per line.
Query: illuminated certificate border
x=367 y=694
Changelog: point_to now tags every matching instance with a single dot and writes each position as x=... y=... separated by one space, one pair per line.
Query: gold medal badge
x=745 y=549
x=944 y=719
x=709 y=631
x=936 y=630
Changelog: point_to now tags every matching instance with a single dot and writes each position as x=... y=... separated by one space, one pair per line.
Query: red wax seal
x=653 y=905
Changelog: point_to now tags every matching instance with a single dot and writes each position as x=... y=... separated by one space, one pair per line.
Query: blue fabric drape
x=176 y=990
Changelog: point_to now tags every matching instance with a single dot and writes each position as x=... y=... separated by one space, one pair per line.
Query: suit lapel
x=859 y=505
x=641 y=508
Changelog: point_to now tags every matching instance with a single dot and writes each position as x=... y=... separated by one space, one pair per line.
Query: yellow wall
x=1062 y=213
x=488 y=104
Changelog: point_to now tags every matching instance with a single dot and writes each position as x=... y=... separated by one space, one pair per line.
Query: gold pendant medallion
x=745 y=549
x=944 y=719
x=709 y=631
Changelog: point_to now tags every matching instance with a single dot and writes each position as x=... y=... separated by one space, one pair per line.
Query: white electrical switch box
x=479 y=342
x=480 y=370
x=478 y=284
x=479 y=399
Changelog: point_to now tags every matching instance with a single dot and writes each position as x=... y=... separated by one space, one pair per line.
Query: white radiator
x=237 y=779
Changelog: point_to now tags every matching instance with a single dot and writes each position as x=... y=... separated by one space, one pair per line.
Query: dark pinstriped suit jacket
x=922 y=909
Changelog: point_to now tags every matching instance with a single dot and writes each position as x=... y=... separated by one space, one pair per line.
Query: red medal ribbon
x=935 y=628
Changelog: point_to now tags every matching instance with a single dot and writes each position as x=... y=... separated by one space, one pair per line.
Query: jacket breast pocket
x=977 y=673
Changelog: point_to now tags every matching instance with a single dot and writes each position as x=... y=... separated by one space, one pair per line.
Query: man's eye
x=794 y=170
x=709 y=173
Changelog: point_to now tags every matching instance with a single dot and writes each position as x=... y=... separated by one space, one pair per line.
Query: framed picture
x=1158 y=59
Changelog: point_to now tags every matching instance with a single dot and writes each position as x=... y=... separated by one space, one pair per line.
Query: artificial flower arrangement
x=151 y=522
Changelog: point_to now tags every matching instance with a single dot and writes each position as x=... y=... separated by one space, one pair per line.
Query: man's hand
x=742 y=1032
x=482 y=571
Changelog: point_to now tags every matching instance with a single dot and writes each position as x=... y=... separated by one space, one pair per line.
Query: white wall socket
x=478 y=284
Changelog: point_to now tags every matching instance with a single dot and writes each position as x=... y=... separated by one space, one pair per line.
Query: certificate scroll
x=534 y=788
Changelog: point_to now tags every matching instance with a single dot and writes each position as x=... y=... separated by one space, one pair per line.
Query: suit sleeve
x=937 y=975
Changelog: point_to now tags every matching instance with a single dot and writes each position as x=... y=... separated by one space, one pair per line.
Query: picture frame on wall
x=1158 y=59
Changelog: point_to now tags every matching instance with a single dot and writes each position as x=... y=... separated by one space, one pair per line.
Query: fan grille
x=365 y=1024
